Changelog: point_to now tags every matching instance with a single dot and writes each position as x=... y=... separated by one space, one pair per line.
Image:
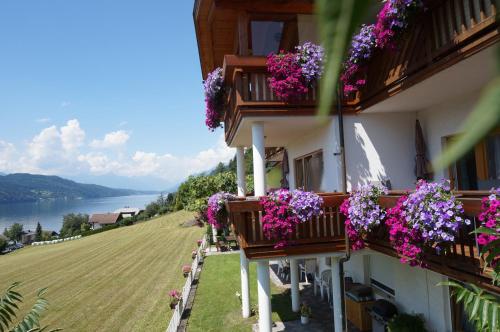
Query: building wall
x=380 y=147
x=444 y=120
x=326 y=139
x=416 y=290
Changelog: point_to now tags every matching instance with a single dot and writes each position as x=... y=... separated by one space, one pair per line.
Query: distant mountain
x=22 y=187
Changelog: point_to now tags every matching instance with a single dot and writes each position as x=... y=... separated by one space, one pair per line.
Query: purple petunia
x=214 y=92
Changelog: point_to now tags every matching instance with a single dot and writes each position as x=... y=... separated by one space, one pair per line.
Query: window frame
x=302 y=160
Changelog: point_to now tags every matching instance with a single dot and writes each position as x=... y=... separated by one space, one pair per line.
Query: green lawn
x=216 y=307
x=113 y=281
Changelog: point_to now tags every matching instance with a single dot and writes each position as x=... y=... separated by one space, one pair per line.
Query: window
x=271 y=36
x=480 y=168
x=309 y=171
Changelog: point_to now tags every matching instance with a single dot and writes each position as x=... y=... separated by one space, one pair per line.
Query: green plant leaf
x=337 y=20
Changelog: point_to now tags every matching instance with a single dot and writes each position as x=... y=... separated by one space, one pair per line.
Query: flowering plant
x=216 y=211
x=363 y=213
x=489 y=232
x=431 y=216
x=214 y=92
x=284 y=209
x=393 y=19
x=175 y=297
x=186 y=269
x=193 y=254
x=199 y=242
x=293 y=73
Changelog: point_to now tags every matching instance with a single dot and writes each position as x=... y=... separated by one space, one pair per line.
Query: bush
x=127 y=221
x=100 y=230
x=72 y=224
x=407 y=323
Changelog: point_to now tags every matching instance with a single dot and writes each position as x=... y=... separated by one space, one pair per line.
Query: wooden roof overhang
x=216 y=24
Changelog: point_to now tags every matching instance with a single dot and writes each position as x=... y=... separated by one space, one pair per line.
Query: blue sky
x=103 y=91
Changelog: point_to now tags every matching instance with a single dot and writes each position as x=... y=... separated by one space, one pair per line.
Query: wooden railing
x=322 y=234
x=249 y=94
x=447 y=32
x=326 y=234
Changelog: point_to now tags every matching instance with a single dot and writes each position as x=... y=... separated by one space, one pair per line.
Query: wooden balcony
x=326 y=234
x=249 y=94
x=446 y=33
x=320 y=235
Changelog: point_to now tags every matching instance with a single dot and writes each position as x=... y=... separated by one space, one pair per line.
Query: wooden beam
x=267 y=6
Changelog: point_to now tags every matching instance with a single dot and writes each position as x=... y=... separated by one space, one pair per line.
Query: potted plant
x=199 y=242
x=305 y=314
x=193 y=254
x=185 y=270
x=406 y=323
x=175 y=297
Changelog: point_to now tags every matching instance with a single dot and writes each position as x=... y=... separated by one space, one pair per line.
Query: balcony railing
x=249 y=93
x=326 y=234
x=447 y=32
x=323 y=234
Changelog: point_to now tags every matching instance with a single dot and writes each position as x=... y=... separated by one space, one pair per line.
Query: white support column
x=259 y=159
x=337 y=297
x=214 y=234
x=240 y=171
x=245 y=287
x=264 y=293
x=294 y=283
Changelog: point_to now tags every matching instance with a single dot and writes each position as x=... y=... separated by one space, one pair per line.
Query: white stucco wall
x=326 y=139
x=380 y=146
x=416 y=290
x=444 y=120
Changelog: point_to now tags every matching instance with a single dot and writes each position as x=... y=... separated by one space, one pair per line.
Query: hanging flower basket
x=284 y=210
x=186 y=269
x=175 y=297
x=392 y=20
x=427 y=219
x=490 y=228
x=363 y=213
x=216 y=210
x=292 y=74
x=214 y=99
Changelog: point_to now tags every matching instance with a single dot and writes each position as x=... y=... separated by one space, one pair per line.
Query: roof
x=104 y=218
x=127 y=210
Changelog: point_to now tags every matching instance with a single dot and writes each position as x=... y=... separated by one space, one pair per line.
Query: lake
x=50 y=213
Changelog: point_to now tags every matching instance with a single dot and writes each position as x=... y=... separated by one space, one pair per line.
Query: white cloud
x=65 y=104
x=123 y=123
x=72 y=136
x=113 y=139
x=62 y=151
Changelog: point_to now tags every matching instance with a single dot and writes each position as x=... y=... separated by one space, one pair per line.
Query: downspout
x=344 y=190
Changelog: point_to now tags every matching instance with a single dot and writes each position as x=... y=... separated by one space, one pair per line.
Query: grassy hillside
x=23 y=187
x=112 y=281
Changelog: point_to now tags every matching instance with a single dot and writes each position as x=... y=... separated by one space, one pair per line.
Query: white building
x=436 y=78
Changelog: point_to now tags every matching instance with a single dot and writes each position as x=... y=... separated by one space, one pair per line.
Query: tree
x=14 y=232
x=72 y=224
x=38 y=235
x=3 y=243
x=9 y=306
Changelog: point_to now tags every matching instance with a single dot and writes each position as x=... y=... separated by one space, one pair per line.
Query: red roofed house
x=98 y=220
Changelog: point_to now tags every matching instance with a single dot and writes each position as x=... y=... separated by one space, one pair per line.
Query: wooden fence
x=179 y=308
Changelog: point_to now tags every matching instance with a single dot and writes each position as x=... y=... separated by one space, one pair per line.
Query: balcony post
x=294 y=283
x=264 y=293
x=240 y=171
x=259 y=158
x=336 y=296
x=245 y=287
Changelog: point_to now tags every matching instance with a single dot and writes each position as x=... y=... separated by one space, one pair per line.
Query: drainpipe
x=344 y=190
